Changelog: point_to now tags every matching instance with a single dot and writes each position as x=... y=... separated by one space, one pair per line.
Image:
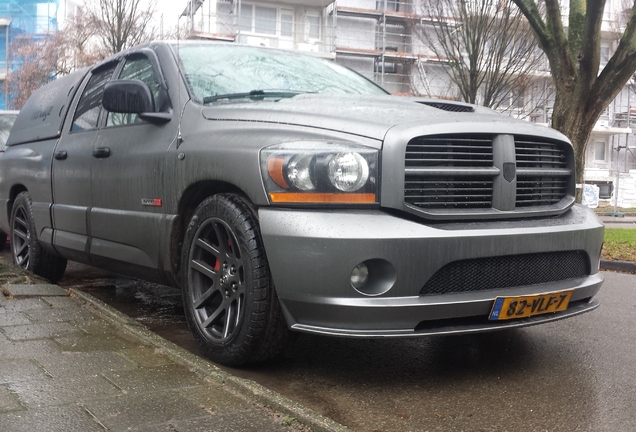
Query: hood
x=369 y=116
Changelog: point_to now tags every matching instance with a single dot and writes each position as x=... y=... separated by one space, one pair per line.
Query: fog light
x=373 y=277
x=359 y=276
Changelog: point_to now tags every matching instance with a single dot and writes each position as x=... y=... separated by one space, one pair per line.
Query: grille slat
x=457 y=172
x=449 y=172
x=538 y=154
x=538 y=190
x=452 y=152
x=507 y=271
x=484 y=191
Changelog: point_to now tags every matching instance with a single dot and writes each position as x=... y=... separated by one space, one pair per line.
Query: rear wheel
x=26 y=250
x=228 y=295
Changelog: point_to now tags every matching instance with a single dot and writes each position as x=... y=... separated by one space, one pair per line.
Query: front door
x=128 y=222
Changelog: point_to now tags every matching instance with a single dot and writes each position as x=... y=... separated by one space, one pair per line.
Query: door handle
x=101 y=152
x=60 y=155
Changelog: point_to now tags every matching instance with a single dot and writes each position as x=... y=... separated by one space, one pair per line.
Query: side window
x=138 y=68
x=90 y=104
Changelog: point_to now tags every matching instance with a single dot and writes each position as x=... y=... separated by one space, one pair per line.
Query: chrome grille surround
x=487 y=175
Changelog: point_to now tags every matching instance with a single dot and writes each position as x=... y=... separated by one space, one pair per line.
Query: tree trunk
x=575 y=119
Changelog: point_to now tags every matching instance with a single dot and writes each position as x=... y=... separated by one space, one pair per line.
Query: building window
x=391 y=5
x=599 y=151
x=267 y=20
x=312 y=26
x=247 y=15
x=286 y=23
x=605 y=55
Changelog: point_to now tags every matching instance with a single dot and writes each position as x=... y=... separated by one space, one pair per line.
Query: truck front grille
x=507 y=271
x=542 y=170
x=485 y=171
x=449 y=172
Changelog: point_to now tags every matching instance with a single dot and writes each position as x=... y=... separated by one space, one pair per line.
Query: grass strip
x=620 y=244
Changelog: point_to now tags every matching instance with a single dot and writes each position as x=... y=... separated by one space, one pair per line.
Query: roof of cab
x=44 y=112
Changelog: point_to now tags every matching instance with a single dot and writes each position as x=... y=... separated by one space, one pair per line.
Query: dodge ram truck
x=282 y=192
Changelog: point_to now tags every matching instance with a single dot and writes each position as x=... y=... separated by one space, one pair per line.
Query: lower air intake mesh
x=507 y=271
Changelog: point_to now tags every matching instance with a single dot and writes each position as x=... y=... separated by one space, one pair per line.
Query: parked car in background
x=284 y=192
x=7 y=118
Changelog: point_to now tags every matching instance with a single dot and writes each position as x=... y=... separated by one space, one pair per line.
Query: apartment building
x=27 y=18
x=385 y=41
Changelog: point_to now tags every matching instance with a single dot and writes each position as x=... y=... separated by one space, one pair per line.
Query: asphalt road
x=574 y=375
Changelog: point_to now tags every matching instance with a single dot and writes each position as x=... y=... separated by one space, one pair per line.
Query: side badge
x=151 y=202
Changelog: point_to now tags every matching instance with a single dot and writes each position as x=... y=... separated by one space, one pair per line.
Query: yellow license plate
x=506 y=308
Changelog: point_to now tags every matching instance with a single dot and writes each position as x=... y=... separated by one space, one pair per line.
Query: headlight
x=320 y=172
x=348 y=171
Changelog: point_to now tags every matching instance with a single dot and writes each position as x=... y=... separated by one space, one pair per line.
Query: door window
x=90 y=104
x=138 y=68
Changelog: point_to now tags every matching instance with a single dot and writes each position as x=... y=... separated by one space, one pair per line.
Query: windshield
x=233 y=71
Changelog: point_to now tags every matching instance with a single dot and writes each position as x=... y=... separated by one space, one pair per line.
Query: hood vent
x=451 y=107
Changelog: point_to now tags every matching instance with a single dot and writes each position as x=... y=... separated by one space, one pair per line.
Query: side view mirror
x=132 y=97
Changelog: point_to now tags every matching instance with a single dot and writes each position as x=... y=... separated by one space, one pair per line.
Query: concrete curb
x=619 y=266
x=316 y=422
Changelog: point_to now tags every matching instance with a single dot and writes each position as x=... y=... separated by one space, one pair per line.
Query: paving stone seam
x=247 y=388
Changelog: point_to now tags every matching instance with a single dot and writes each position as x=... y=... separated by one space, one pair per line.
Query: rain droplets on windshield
x=227 y=69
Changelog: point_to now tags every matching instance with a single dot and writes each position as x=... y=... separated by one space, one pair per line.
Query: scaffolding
x=35 y=19
x=32 y=17
x=374 y=37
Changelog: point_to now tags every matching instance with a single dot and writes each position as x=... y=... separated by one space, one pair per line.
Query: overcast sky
x=171 y=9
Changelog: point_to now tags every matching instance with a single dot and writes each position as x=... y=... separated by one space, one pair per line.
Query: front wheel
x=228 y=295
x=26 y=250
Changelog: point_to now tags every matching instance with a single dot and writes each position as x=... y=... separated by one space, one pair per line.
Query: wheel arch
x=13 y=193
x=188 y=203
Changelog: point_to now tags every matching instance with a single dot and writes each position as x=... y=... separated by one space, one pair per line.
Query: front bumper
x=312 y=254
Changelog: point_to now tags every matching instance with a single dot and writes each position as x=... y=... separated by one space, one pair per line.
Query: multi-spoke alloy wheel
x=228 y=296
x=217 y=278
x=26 y=250
x=21 y=237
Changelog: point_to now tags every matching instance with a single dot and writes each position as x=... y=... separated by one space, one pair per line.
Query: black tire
x=228 y=295
x=3 y=240
x=26 y=250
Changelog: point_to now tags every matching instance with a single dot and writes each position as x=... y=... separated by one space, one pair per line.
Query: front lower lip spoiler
x=451 y=327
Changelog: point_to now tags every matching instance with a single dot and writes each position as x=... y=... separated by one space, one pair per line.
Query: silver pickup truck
x=283 y=192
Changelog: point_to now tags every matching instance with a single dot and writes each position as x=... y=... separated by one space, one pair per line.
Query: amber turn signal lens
x=331 y=198
x=275 y=167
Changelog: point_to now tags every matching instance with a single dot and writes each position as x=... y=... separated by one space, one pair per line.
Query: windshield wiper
x=254 y=95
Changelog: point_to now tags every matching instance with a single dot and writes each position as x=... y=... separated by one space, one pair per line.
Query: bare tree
x=121 y=24
x=483 y=46
x=41 y=58
x=38 y=66
x=78 y=38
x=95 y=32
x=573 y=48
